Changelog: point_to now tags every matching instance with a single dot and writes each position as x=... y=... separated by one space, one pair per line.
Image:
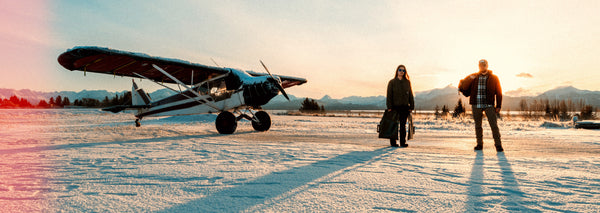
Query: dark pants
x=490 y=112
x=403 y=111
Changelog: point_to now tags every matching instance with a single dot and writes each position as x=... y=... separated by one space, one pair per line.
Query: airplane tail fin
x=139 y=96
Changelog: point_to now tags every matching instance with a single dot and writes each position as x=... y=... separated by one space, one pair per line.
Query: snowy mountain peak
x=448 y=90
x=449 y=86
x=568 y=92
x=326 y=98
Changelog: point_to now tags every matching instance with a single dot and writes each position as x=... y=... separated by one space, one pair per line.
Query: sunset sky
x=343 y=48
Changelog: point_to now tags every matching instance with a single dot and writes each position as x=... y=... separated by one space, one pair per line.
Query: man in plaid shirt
x=485 y=96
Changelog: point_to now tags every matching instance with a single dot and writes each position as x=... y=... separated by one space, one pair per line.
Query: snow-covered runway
x=87 y=160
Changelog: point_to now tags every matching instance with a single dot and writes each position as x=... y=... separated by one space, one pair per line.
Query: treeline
x=124 y=99
x=62 y=102
x=538 y=108
x=557 y=109
x=311 y=106
x=15 y=102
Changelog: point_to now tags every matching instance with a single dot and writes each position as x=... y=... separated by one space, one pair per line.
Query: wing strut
x=185 y=86
x=174 y=90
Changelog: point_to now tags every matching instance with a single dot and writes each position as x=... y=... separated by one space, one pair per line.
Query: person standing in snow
x=400 y=98
x=485 y=94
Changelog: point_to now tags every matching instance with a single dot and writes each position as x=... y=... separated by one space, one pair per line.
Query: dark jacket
x=494 y=90
x=399 y=93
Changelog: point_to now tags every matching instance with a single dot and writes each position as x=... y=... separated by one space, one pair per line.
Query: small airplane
x=208 y=89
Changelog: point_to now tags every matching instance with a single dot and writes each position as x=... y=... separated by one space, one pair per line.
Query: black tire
x=265 y=121
x=226 y=123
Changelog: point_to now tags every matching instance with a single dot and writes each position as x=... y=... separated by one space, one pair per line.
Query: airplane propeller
x=279 y=86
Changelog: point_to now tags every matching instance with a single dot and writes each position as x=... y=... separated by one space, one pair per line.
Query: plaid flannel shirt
x=481 y=92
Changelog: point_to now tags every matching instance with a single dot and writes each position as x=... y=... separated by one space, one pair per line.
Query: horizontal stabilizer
x=119 y=108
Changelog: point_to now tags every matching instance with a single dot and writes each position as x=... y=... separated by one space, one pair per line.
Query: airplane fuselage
x=236 y=90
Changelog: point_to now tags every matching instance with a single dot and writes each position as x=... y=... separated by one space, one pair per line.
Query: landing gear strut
x=227 y=122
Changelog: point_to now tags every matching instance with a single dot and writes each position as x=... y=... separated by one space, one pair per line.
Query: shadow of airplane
x=260 y=190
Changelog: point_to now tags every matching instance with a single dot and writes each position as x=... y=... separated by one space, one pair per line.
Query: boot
x=403 y=144
x=478 y=147
x=393 y=143
x=499 y=148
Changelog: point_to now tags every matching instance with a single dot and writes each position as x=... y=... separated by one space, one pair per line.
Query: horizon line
x=326 y=95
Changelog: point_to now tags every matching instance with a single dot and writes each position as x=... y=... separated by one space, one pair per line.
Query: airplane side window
x=202 y=89
x=219 y=91
x=222 y=86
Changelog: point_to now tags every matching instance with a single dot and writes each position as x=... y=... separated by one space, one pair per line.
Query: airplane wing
x=122 y=63
x=286 y=81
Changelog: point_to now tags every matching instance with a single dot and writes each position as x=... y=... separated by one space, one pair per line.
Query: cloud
x=524 y=75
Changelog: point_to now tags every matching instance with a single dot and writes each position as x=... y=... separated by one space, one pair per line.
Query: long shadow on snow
x=513 y=202
x=475 y=191
x=85 y=145
x=249 y=194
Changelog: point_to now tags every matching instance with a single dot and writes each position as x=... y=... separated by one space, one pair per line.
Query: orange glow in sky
x=343 y=48
x=25 y=45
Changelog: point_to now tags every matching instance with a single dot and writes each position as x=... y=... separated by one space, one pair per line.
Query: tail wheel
x=226 y=123
x=264 y=121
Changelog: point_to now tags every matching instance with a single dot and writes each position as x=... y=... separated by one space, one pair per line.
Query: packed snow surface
x=91 y=161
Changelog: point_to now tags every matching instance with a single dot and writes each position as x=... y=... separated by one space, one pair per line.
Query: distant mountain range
x=428 y=100
x=34 y=96
x=424 y=100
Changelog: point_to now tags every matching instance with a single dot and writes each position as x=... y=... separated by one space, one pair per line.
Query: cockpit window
x=219 y=91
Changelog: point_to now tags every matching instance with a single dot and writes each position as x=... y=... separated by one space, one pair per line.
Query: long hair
x=405 y=72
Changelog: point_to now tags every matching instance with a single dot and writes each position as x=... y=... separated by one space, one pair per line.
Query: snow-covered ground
x=91 y=161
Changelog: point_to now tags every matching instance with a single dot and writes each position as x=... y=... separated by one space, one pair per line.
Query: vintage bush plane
x=208 y=89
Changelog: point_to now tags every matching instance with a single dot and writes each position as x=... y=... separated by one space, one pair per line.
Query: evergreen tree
x=445 y=110
x=459 y=110
x=43 y=104
x=126 y=98
x=58 y=101
x=105 y=102
x=14 y=99
x=24 y=103
x=66 y=101
x=115 y=100
x=310 y=105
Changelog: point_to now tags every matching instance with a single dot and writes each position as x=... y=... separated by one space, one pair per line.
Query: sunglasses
x=401 y=70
